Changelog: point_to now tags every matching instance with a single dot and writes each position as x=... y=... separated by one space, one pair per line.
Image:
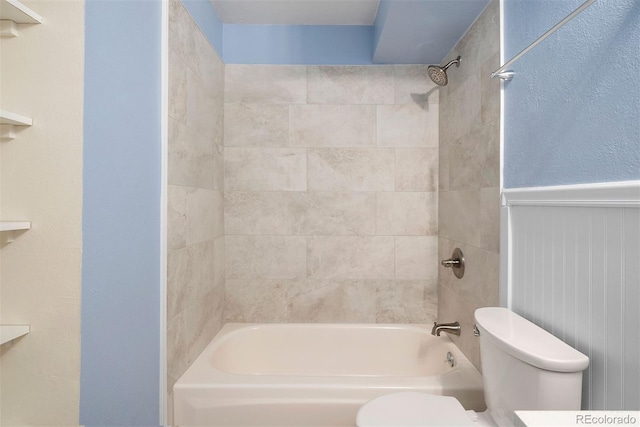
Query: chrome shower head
x=439 y=74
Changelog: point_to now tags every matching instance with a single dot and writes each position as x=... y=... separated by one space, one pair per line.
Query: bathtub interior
x=316 y=375
x=331 y=350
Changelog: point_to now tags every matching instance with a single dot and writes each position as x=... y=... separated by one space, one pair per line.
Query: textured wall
x=195 y=286
x=330 y=194
x=469 y=198
x=572 y=113
x=41 y=173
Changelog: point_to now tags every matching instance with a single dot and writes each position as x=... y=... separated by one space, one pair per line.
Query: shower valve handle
x=456 y=263
x=450 y=262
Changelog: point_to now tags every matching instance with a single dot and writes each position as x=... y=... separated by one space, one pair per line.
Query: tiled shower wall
x=469 y=197
x=330 y=194
x=195 y=288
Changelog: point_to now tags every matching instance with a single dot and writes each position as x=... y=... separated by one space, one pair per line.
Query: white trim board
x=164 y=150
x=606 y=194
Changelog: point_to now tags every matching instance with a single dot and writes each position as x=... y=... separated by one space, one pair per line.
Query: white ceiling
x=297 y=12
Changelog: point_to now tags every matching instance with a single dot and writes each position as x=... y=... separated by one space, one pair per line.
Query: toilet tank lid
x=528 y=342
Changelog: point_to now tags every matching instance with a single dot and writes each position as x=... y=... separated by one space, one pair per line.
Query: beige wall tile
x=406 y=301
x=256 y=125
x=407 y=125
x=464 y=107
x=181 y=289
x=416 y=169
x=219 y=262
x=204 y=215
x=181 y=29
x=332 y=301
x=195 y=264
x=469 y=159
x=490 y=90
x=333 y=126
x=208 y=65
x=351 y=85
x=490 y=219
x=256 y=212
x=348 y=169
x=265 y=169
x=177 y=348
x=256 y=300
x=176 y=217
x=480 y=42
x=413 y=85
x=204 y=111
x=407 y=213
x=458 y=211
x=443 y=165
x=327 y=213
x=275 y=84
x=177 y=88
x=350 y=257
x=192 y=160
x=481 y=277
x=265 y=257
x=472 y=217
x=218 y=167
x=452 y=308
x=416 y=257
x=207 y=321
x=474 y=160
x=190 y=273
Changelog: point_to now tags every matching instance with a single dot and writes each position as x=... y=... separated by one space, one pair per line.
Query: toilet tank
x=524 y=367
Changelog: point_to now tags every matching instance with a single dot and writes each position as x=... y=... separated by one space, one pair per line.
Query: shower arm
x=453 y=61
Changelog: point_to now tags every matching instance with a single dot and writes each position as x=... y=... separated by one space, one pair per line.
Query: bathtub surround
x=469 y=165
x=195 y=267
x=41 y=174
x=330 y=194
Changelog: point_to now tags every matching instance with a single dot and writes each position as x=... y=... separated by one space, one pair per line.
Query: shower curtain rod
x=508 y=75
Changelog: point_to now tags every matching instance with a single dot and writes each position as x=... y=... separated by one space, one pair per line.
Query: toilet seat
x=410 y=408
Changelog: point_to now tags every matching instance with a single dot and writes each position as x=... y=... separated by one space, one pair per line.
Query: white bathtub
x=316 y=374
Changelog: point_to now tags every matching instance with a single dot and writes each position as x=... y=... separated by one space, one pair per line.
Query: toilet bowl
x=418 y=409
x=524 y=368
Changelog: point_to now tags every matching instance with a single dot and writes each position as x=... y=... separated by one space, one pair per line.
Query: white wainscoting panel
x=575 y=271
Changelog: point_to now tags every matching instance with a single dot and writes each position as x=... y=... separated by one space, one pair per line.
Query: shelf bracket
x=7 y=132
x=8 y=28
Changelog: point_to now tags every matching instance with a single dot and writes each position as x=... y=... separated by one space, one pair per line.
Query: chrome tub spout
x=450 y=328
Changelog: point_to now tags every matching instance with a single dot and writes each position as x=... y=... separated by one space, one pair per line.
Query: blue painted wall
x=402 y=33
x=121 y=214
x=298 y=44
x=208 y=21
x=283 y=44
x=422 y=32
x=572 y=112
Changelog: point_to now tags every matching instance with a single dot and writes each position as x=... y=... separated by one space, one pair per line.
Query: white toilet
x=523 y=366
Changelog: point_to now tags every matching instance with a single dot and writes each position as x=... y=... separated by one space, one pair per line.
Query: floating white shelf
x=12 y=12
x=14 y=225
x=11 y=332
x=17 y=12
x=9 y=120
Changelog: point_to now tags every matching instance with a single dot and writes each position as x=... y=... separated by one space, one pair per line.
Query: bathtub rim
x=201 y=373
